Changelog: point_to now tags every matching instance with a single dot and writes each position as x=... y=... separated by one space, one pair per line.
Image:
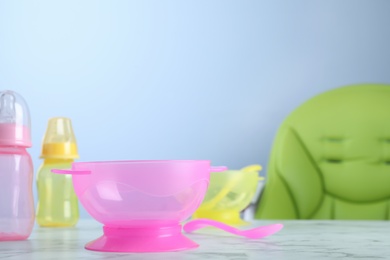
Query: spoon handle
x=257 y=232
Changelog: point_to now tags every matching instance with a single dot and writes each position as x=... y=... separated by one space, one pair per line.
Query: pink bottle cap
x=14 y=120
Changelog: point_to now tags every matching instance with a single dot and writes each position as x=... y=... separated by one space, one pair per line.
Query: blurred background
x=184 y=79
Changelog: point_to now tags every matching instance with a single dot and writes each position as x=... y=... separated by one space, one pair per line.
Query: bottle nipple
x=14 y=120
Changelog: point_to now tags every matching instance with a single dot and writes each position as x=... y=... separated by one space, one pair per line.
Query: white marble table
x=298 y=240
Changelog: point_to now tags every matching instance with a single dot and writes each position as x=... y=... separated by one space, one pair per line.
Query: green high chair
x=331 y=158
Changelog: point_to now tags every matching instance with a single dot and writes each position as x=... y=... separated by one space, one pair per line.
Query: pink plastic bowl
x=141 y=203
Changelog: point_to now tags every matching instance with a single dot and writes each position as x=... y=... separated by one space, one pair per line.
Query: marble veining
x=298 y=240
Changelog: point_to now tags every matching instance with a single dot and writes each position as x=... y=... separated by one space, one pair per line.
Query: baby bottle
x=57 y=202
x=16 y=168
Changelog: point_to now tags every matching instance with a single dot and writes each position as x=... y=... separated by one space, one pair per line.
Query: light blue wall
x=184 y=79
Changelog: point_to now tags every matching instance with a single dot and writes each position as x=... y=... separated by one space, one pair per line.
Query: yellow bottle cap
x=59 y=141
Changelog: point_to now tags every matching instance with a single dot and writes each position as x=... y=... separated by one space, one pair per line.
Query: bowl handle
x=218 y=168
x=72 y=172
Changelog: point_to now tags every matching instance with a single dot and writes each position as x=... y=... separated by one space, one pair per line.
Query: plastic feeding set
x=142 y=204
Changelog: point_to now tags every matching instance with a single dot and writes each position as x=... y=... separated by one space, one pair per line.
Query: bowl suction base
x=141 y=240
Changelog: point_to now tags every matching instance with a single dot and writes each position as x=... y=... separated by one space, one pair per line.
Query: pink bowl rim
x=143 y=162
